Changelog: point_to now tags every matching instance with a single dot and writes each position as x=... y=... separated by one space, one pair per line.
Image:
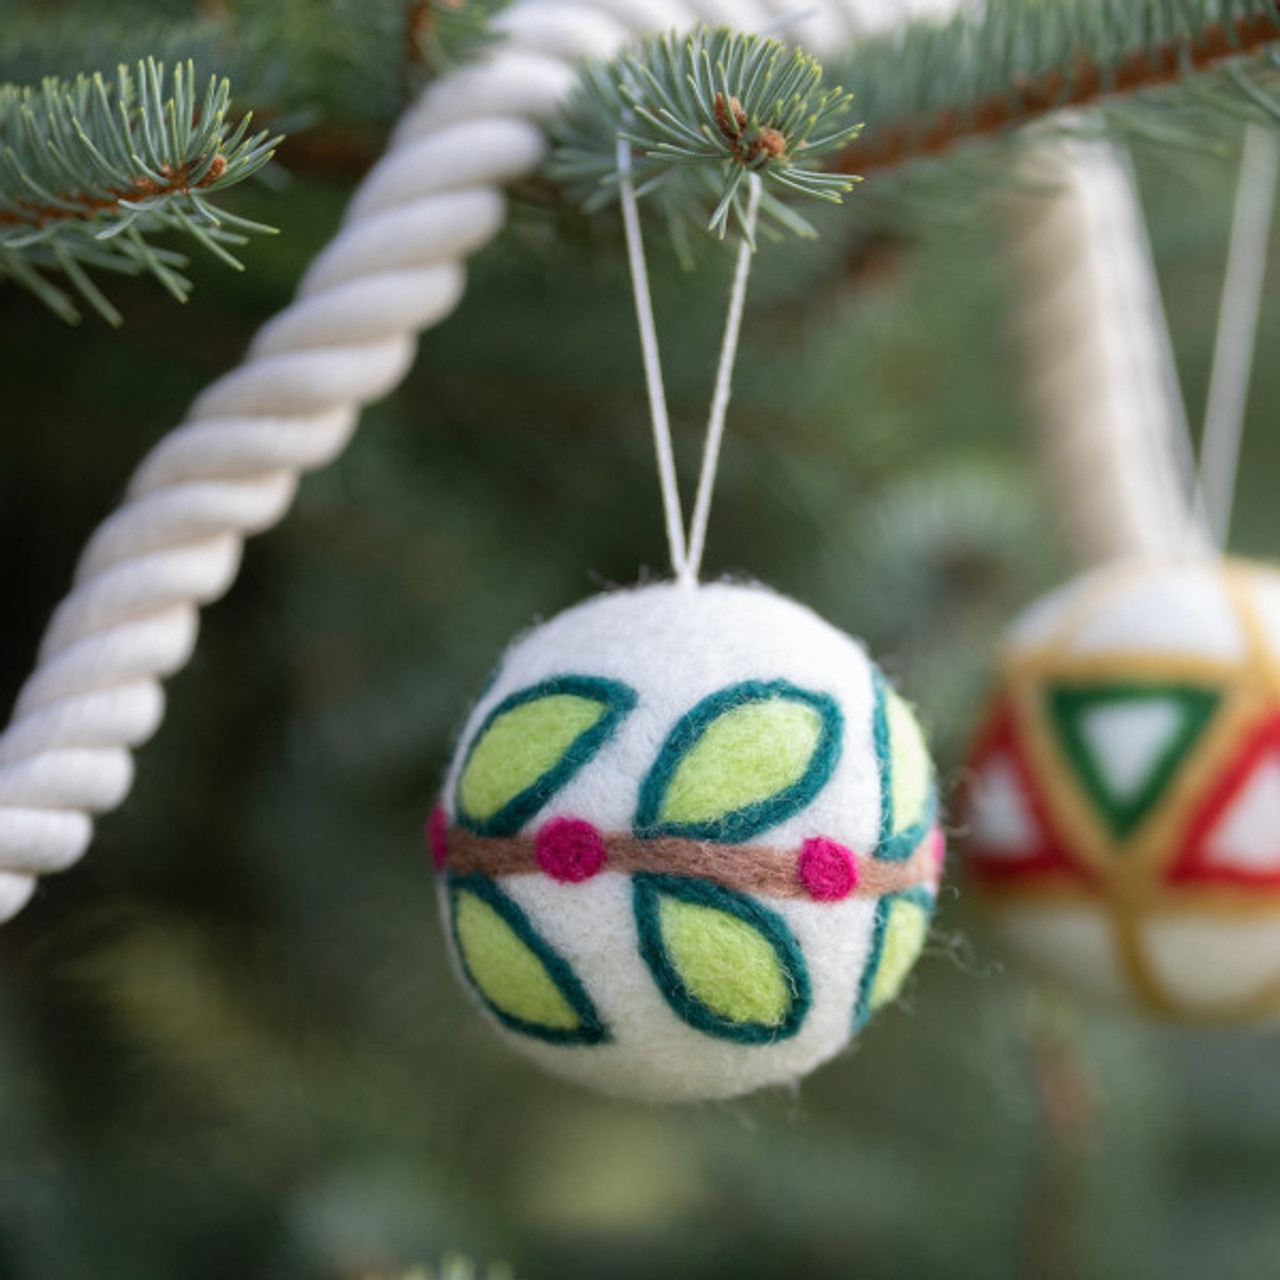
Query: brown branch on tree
x=80 y=206
x=419 y=21
x=420 y=26
x=891 y=144
x=344 y=153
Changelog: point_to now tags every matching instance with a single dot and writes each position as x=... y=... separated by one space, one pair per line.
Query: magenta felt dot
x=827 y=870
x=438 y=836
x=938 y=851
x=570 y=850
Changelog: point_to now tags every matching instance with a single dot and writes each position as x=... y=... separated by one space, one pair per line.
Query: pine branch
x=91 y=169
x=700 y=113
x=927 y=89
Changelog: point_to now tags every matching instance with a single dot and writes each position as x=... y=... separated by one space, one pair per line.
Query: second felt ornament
x=1124 y=799
x=1123 y=808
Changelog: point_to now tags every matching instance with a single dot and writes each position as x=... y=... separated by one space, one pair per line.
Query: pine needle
x=701 y=112
x=91 y=169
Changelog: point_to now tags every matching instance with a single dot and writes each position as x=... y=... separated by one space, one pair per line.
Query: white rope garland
x=1114 y=442
x=231 y=468
x=1236 y=345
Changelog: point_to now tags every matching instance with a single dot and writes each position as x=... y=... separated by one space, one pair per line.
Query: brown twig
x=891 y=144
x=732 y=122
x=83 y=207
x=420 y=29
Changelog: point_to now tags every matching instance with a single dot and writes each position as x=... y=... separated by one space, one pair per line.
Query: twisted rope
x=1112 y=428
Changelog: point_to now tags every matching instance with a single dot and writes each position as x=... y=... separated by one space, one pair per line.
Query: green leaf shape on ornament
x=1122 y=811
x=742 y=760
x=522 y=980
x=898 y=936
x=908 y=787
x=531 y=744
x=726 y=964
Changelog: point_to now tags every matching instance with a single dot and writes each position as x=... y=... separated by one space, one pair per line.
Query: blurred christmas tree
x=228 y=1041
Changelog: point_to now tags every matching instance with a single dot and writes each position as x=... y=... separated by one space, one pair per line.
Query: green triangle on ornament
x=1125 y=742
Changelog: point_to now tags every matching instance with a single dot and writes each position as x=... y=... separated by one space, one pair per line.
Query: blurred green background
x=229 y=1042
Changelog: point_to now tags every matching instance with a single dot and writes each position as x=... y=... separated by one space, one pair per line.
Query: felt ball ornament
x=688 y=843
x=1123 y=802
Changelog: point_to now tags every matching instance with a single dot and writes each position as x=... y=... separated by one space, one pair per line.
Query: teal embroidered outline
x=895 y=846
x=591 y=1029
x=1067 y=702
x=862 y=1010
x=649 y=886
x=619 y=701
x=739 y=824
x=900 y=846
x=884 y=756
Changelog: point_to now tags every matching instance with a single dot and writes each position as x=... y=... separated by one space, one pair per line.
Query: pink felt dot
x=438 y=836
x=828 y=870
x=570 y=850
x=938 y=852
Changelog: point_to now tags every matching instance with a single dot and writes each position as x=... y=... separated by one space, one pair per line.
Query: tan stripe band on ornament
x=749 y=868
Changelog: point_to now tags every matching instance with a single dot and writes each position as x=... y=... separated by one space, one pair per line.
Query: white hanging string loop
x=686 y=554
x=724 y=378
x=1237 y=328
x=672 y=513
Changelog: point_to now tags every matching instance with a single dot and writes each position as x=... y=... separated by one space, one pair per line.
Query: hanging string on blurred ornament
x=1124 y=801
x=1236 y=340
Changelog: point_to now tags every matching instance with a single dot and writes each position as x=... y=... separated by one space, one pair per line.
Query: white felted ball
x=688 y=842
x=1124 y=803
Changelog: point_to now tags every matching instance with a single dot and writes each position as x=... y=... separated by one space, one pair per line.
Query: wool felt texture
x=908 y=804
x=571 y=850
x=574 y=850
x=828 y=870
x=740 y=762
x=726 y=964
x=531 y=744
x=525 y=983
x=666 y=870
x=438 y=836
x=1236 y=835
x=1124 y=808
x=1126 y=742
x=901 y=926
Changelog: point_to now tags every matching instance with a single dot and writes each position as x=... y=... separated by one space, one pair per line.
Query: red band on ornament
x=1196 y=863
x=1044 y=857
